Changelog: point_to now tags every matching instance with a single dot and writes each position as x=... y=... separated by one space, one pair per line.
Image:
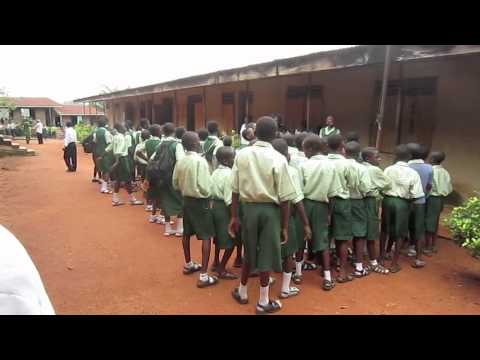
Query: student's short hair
x=281 y=146
x=352 y=136
x=168 y=129
x=352 y=148
x=368 y=152
x=179 y=131
x=101 y=123
x=145 y=134
x=144 y=124
x=246 y=131
x=227 y=141
x=290 y=139
x=415 y=150
x=266 y=128
x=299 y=139
x=129 y=124
x=224 y=153
x=155 y=130
x=402 y=152
x=335 y=142
x=437 y=157
x=68 y=124
x=202 y=134
x=212 y=127
x=189 y=139
x=424 y=151
x=314 y=143
x=119 y=127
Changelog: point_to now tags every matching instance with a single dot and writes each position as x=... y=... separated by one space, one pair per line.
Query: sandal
x=343 y=279
x=227 y=276
x=297 y=279
x=211 y=280
x=380 y=269
x=418 y=264
x=307 y=266
x=362 y=273
x=292 y=291
x=395 y=269
x=117 y=203
x=328 y=285
x=136 y=202
x=272 y=307
x=187 y=270
x=238 y=298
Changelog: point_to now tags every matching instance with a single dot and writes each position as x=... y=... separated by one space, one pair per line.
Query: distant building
x=76 y=113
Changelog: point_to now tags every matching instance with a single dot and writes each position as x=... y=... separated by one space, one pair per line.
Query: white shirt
x=39 y=127
x=70 y=136
x=242 y=140
x=21 y=288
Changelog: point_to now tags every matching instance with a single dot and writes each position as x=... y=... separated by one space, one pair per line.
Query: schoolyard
x=96 y=259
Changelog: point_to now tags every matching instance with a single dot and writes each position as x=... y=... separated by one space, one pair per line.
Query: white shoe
x=168 y=230
x=149 y=208
x=153 y=219
x=160 y=220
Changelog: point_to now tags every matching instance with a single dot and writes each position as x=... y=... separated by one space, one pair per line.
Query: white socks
x=264 y=295
x=203 y=276
x=168 y=228
x=298 y=268
x=358 y=266
x=116 y=198
x=327 y=275
x=374 y=262
x=189 y=264
x=286 y=282
x=179 y=225
x=103 y=186
x=242 y=290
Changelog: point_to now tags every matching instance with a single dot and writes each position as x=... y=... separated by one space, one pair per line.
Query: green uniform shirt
x=191 y=176
x=222 y=184
x=179 y=151
x=297 y=158
x=362 y=181
x=260 y=175
x=129 y=139
x=149 y=146
x=406 y=183
x=101 y=138
x=442 y=183
x=379 y=183
x=319 y=179
x=120 y=145
x=346 y=175
x=296 y=183
x=327 y=131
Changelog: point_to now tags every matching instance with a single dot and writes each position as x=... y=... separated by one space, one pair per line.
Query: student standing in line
x=212 y=144
x=101 y=139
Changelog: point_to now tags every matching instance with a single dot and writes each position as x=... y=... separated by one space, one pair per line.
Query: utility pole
x=383 y=97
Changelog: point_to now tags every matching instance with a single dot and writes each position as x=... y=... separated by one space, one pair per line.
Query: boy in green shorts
x=320 y=186
x=406 y=186
x=378 y=183
x=221 y=201
x=341 y=222
x=359 y=210
x=441 y=188
x=290 y=248
x=121 y=167
x=101 y=139
x=192 y=178
x=261 y=181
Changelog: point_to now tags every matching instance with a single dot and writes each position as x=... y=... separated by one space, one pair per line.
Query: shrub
x=464 y=222
x=83 y=131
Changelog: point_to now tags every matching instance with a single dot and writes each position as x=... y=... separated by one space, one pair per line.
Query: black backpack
x=88 y=144
x=160 y=168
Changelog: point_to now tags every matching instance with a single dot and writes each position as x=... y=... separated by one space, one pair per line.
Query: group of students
x=291 y=202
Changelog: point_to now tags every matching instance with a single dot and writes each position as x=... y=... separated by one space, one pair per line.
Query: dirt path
x=95 y=259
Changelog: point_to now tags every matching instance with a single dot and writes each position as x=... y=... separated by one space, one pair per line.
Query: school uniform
x=341 y=224
x=357 y=196
x=211 y=145
x=292 y=151
x=123 y=172
x=441 y=188
x=221 y=192
x=327 y=131
x=378 y=183
x=171 y=199
x=101 y=138
x=405 y=186
x=320 y=182
x=192 y=178
x=418 y=207
x=148 y=148
x=295 y=235
x=261 y=178
x=130 y=141
x=296 y=159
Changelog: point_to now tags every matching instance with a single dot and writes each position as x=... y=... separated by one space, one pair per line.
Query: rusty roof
x=33 y=102
x=79 y=110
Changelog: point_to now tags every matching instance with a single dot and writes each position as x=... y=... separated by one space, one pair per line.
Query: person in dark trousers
x=39 y=131
x=70 y=148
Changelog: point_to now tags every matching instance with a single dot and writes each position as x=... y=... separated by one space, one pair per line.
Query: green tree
x=5 y=101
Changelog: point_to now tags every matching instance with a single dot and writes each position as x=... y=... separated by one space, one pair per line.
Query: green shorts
x=359 y=218
x=317 y=213
x=171 y=201
x=107 y=162
x=416 y=222
x=432 y=213
x=197 y=218
x=395 y=212
x=123 y=171
x=153 y=192
x=341 y=227
x=221 y=219
x=291 y=246
x=373 y=220
x=261 y=236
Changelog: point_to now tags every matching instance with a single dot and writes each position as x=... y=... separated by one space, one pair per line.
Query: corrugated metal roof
x=78 y=110
x=33 y=102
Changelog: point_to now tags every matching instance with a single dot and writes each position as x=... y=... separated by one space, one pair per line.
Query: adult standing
x=70 y=148
x=329 y=128
x=39 y=131
x=246 y=124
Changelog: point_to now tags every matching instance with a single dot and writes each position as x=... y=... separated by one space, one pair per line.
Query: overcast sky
x=64 y=73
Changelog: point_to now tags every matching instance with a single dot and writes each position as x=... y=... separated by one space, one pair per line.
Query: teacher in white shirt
x=39 y=131
x=70 y=148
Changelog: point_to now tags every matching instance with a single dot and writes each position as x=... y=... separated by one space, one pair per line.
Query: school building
x=432 y=97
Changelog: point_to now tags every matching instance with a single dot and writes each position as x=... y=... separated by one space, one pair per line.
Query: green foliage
x=83 y=131
x=50 y=132
x=464 y=222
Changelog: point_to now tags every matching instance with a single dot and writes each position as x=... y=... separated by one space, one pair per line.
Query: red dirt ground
x=95 y=259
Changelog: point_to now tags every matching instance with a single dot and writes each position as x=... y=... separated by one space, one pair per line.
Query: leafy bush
x=83 y=131
x=464 y=222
